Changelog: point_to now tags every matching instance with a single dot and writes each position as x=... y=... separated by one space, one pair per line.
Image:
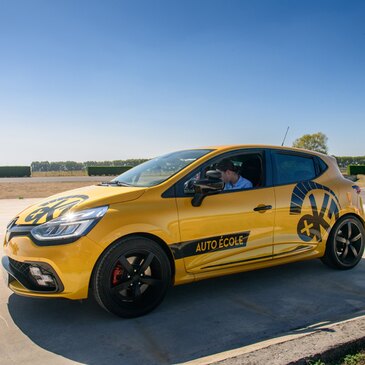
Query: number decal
x=54 y=208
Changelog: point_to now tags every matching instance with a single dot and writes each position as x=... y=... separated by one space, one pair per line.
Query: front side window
x=247 y=166
x=159 y=169
x=293 y=168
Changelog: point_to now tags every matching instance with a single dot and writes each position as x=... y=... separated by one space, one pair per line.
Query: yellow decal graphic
x=54 y=208
x=310 y=225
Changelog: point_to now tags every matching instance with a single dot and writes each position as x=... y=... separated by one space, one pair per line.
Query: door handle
x=262 y=208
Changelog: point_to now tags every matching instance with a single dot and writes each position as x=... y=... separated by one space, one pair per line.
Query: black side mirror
x=214 y=174
x=205 y=187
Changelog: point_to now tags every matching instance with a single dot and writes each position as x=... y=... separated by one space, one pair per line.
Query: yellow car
x=184 y=217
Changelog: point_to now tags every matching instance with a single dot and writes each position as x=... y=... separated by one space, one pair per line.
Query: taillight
x=357 y=188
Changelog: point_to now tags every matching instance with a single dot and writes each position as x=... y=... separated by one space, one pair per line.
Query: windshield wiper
x=117 y=183
x=122 y=183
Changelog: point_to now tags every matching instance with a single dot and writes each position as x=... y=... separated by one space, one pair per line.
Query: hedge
x=356 y=169
x=106 y=170
x=344 y=161
x=14 y=171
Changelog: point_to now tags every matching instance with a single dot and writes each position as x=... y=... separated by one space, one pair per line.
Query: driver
x=231 y=177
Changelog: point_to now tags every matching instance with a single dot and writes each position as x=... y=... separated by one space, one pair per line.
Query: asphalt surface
x=326 y=341
x=194 y=321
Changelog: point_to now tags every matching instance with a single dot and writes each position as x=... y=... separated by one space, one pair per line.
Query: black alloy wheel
x=132 y=277
x=345 y=245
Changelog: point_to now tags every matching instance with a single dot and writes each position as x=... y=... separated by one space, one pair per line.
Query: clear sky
x=106 y=80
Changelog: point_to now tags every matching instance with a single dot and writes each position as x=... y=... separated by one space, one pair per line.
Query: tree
x=315 y=142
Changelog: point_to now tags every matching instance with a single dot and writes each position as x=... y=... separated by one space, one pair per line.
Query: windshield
x=159 y=169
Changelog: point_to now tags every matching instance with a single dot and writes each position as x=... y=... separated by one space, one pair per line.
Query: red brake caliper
x=117 y=273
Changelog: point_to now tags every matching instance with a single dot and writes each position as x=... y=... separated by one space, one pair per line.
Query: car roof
x=240 y=146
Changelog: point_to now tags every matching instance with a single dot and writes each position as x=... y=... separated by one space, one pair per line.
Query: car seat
x=251 y=170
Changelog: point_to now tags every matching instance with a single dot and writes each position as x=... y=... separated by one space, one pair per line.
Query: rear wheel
x=345 y=244
x=132 y=277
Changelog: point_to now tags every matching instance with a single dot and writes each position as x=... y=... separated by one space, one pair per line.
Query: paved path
x=194 y=321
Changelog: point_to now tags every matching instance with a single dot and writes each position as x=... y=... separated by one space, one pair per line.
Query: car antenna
x=285 y=136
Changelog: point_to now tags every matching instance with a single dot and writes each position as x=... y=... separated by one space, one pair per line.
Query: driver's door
x=229 y=229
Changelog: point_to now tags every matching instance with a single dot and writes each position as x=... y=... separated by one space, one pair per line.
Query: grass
x=315 y=362
x=357 y=358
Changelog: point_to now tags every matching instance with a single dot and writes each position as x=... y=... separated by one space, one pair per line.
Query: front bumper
x=70 y=265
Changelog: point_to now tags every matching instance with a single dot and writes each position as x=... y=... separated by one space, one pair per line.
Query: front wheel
x=345 y=244
x=131 y=277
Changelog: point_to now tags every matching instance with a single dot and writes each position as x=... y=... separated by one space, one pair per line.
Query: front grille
x=20 y=267
x=20 y=230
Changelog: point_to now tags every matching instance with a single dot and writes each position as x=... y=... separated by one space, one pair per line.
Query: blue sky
x=106 y=80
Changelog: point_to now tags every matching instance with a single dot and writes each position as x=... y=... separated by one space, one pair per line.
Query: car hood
x=75 y=200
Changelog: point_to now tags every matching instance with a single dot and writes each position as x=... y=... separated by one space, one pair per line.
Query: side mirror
x=205 y=187
x=214 y=174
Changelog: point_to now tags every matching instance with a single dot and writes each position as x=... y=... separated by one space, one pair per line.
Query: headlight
x=69 y=227
x=11 y=223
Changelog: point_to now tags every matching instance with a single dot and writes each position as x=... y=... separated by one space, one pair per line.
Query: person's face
x=226 y=175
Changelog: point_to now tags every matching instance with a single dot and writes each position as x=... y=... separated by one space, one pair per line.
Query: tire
x=131 y=277
x=345 y=244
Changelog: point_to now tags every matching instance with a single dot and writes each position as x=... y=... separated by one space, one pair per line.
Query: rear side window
x=292 y=168
x=322 y=165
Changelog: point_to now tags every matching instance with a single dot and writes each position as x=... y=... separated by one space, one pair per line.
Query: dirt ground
x=39 y=189
x=59 y=173
x=361 y=181
x=44 y=189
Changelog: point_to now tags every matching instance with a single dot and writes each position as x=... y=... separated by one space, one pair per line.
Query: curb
x=326 y=340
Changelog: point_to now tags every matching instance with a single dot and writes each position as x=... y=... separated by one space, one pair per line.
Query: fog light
x=42 y=278
x=35 y=271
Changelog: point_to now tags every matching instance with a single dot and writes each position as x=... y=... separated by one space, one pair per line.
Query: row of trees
x=345 y=161
x=315 y=142
x=76 y=166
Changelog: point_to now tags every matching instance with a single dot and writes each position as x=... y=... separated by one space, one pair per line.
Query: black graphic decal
x=54 y=208
x=309 y=226
x=211 y=244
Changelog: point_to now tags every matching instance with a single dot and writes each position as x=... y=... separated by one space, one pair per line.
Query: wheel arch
x=347 y=215
x=162 y=244
x=352 y=214
x=150 y=236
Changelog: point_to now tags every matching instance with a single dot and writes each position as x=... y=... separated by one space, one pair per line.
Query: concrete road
x=51 y=179
x=195 y=320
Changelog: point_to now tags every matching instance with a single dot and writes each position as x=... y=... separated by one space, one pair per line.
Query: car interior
x=249 y=166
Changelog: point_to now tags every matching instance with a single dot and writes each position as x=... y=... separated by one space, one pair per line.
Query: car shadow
x=196 y=320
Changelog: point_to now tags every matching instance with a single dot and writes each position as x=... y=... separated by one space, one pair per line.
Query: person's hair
x=225 y=165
